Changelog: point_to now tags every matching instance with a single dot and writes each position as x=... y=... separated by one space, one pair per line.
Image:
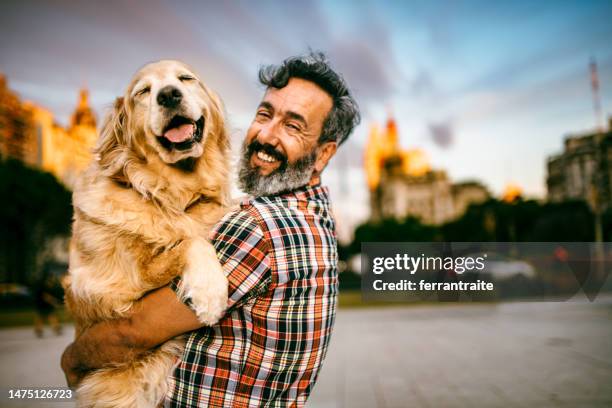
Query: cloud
x=363 y=69
x=566 y=94
x=66 y=45
x=442 y=134
x=365 y=57
x=423 y=85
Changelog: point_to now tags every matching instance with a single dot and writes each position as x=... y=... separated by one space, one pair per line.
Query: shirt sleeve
x=243 y=251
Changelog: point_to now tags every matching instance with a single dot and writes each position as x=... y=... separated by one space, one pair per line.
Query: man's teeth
x=265 y=157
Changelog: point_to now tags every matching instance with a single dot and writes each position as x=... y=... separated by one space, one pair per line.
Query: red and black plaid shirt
x=280 y=257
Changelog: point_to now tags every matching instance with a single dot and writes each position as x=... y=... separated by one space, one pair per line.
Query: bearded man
x=278 y=251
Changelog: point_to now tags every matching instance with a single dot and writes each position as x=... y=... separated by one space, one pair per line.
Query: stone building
x=583 y=170
x=18 y=136
x=29 y=133
x=403 y=184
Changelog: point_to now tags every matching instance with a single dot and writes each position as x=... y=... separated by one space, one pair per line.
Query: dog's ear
x=110 y=150
x=217 y=146
x=217 y=115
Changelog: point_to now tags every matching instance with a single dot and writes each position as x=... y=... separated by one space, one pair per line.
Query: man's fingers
x=71 y=372
x=72 y=380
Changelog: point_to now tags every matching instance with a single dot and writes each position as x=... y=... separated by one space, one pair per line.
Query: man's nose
x=169 y=97
x=268 y=134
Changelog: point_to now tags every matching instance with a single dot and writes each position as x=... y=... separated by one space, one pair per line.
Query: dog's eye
x=143 y=91
x=184 y=78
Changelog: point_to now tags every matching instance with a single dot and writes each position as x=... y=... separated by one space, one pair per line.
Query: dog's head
x=166 y=109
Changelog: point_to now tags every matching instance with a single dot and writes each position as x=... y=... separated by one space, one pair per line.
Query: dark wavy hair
x=314 y=67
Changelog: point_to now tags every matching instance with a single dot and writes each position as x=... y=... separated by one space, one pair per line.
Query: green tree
x=493 y=220
x=35 y=208
x=392 y=230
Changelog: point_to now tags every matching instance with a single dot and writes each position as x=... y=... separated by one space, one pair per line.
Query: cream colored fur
x=141 y=219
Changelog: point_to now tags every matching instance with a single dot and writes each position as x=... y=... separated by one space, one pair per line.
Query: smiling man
x=278 y=251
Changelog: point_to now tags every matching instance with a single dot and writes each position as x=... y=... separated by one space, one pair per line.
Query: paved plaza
x=505 y=355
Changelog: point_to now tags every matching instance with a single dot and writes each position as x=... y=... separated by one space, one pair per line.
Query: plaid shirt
x=280 y=256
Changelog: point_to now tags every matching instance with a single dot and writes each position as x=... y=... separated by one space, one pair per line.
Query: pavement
x=480 y=355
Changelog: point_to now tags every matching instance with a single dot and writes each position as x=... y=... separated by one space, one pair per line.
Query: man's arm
x=162 y=314
x=156 y=318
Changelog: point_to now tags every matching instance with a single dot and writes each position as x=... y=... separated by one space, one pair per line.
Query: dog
x=142 y=212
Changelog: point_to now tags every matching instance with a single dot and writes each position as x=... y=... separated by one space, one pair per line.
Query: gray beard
x=288 y=177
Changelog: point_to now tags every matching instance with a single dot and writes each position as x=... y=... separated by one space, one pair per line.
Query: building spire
x=83 y=115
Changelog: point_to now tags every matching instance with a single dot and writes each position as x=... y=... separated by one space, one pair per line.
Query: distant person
x=46 y=304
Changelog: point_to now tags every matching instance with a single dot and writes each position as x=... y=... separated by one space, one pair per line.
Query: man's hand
x=155 y=319
x=74 y=374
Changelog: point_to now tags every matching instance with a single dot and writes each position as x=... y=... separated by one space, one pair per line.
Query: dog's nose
x=169 y=97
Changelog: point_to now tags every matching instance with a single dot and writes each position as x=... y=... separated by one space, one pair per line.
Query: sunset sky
x=487 y=89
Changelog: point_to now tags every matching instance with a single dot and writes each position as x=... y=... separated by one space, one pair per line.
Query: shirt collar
x=304 y=193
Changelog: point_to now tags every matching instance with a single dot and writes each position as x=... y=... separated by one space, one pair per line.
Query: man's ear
x=325 y=152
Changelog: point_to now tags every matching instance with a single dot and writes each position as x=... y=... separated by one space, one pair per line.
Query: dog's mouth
x=181 y=133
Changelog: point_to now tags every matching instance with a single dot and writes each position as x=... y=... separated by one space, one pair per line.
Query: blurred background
x=482 y=121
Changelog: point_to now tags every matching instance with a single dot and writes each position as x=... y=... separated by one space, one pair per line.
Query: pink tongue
x=179 y=134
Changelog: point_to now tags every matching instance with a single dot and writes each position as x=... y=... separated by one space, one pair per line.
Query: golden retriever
x=142 y=211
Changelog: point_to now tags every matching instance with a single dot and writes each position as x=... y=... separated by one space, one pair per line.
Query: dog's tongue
x=180 y=134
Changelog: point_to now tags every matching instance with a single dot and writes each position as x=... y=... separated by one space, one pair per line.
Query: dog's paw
x=204 y=282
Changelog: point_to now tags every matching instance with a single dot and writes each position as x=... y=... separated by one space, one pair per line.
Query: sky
x=488 y=89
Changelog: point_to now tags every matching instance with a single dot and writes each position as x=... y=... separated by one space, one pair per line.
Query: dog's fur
x=142 y=212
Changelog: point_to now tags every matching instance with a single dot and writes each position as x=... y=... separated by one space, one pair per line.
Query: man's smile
x=264 y=162
x=265 y=157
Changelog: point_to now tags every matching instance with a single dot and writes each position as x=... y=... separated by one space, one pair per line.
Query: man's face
x=280 y=151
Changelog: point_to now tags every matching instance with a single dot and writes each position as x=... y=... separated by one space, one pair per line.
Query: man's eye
x=293 y=126
x=263 y=114
x=185 y=78
x=143 y=91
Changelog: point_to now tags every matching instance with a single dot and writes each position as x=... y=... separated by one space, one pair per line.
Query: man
x=278 y=251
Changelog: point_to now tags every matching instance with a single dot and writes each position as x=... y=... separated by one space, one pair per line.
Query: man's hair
x=314 y=67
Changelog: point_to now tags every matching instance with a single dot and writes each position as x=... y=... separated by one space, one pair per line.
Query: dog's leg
x=158 y=268
x=204 y=282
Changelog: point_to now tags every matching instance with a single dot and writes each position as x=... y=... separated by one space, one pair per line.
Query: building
x=18 y=136
x=66 y=151
x=582 y=171
x=403 y=184
x=512 y=192
x=29 y=133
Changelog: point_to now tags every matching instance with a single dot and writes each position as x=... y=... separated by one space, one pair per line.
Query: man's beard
x=287 y=177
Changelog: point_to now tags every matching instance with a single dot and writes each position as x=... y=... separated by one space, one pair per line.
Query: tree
x=392 y=230
x=492 y=221
x=35 y=208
